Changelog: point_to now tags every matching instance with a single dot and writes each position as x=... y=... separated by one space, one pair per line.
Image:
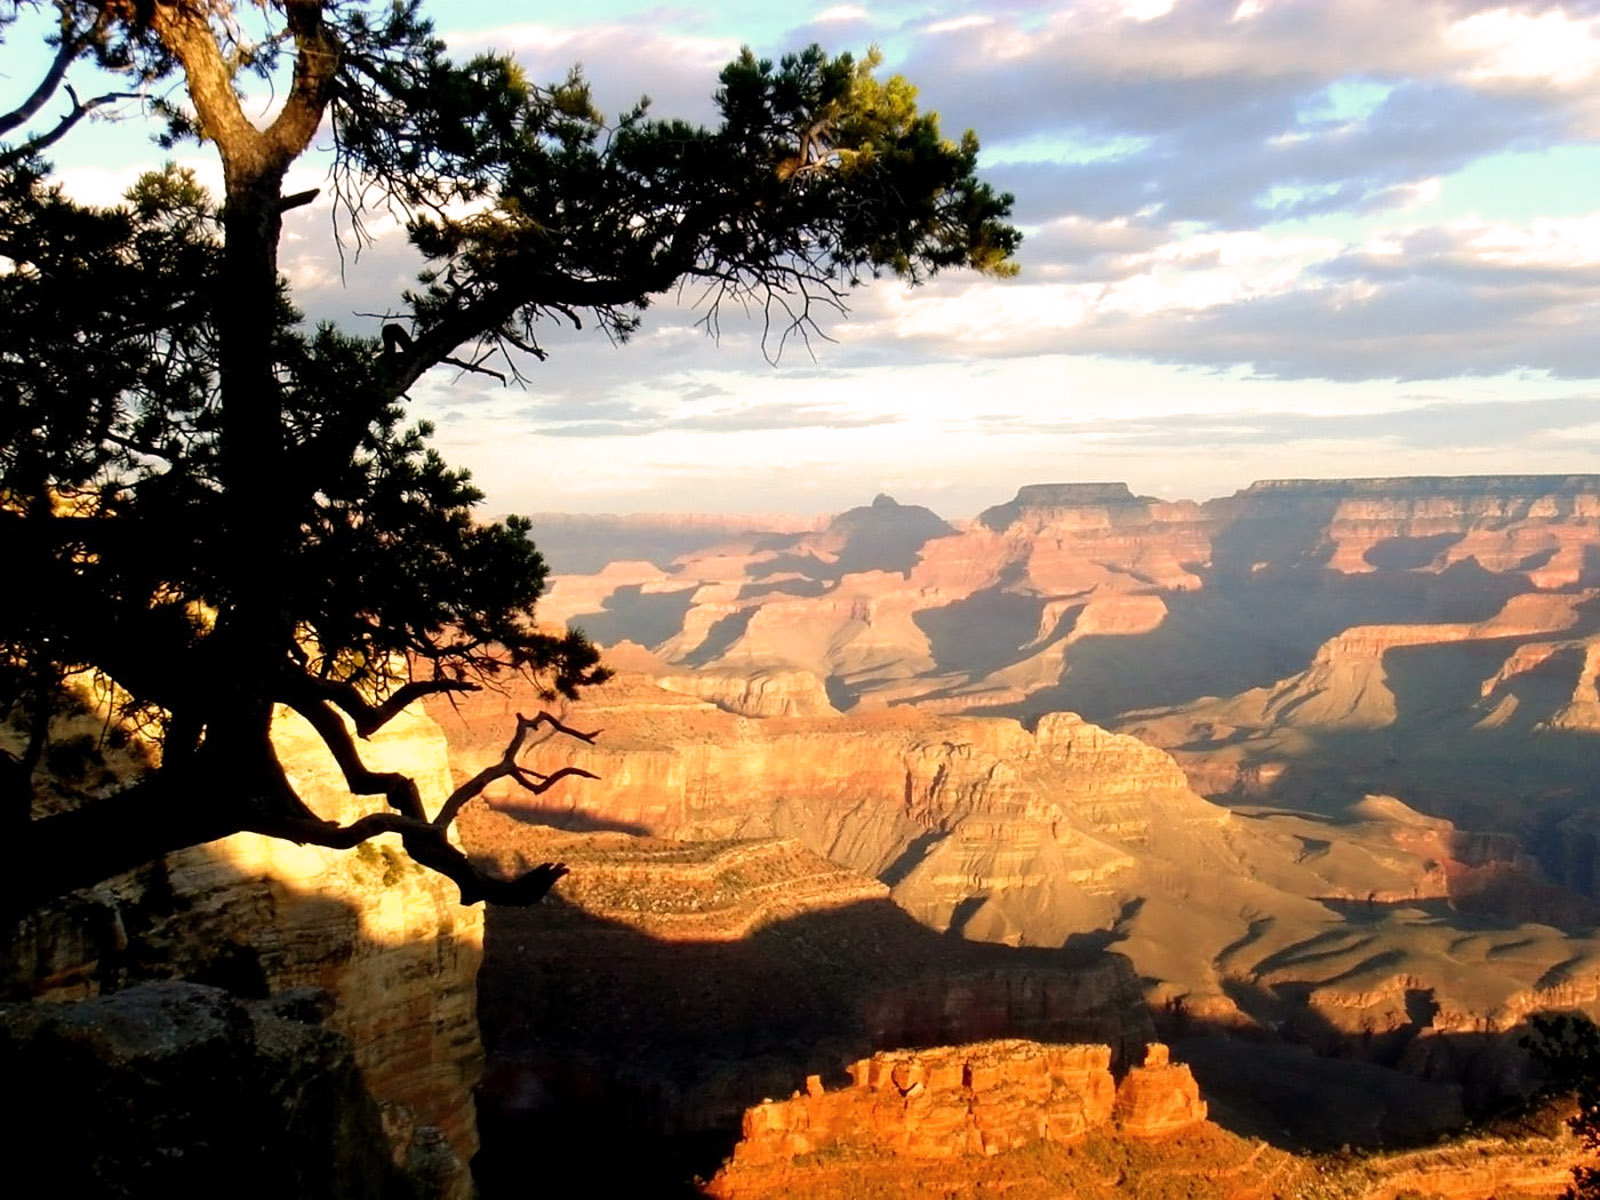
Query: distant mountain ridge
x=1232 y=632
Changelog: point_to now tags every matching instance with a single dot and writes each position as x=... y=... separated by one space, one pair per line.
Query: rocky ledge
x=984 y=1099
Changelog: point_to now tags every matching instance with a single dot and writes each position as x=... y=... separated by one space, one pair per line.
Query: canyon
x=936 y=826
x=1316 y=760
x=1299 y=645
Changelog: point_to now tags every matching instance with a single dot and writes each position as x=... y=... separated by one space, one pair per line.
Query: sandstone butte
x=985 y=1098
x=949 y=1103
x=1034 y=1121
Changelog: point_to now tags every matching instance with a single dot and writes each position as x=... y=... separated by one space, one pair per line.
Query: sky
x=1263 y=239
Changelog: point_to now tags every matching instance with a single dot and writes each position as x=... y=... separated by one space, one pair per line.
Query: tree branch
x=168 y=811
x=298 y=199
x=429 y=847
x=427 y=842
x=369 y=717
x=184 y=29
x=474 y=368
x=400 y=791
x=80 y=110
x=315 y=63
x=507 y=767
x=68 y=50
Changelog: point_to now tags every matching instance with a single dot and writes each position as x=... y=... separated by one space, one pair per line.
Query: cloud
x=621 y=61
x=779 y=416
x=629 y=421
x=841 y=14
x=1495 y=425
x=1162 y=154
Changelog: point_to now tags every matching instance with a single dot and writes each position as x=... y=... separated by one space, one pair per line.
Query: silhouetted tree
x=1567 y=1047
x=214 y=511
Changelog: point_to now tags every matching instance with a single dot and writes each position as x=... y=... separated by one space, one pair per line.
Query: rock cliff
x=1362 y=936
x=386 y=940
x=942 y=1102
x=759 y=694
x=1158 y=1097
x=1017 y=1117
x=1393 y=683
x=173 y=1089
x=666 y=986
x=983 y=1098
x=1086 y=597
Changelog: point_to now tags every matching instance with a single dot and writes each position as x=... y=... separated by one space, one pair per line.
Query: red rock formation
x=941 y=1103
x=982 y=1099
x=1158 y=1097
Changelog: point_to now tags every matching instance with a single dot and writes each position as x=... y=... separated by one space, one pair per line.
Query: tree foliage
x=217 y=510
x=1567 y=1048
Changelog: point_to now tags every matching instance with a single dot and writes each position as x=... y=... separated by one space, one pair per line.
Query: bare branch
x=68 y=50
x=80 y=110
x=526 y=345
x=428 y=846
x=399 y=790
x=369 y=717
x=298 y=199
x=427 y=842
x=534 y=781
x=475 y=368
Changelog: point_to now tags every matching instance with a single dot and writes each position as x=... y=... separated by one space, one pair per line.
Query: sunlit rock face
x=942 y=1102
x=1158 y=1097
x=1536 y=525
x=1053 y=1111
x=1024 y=718
x=1005 y=834
x=761 y=694
x=388 y=941
x=1301 y=644
x=1358 y=936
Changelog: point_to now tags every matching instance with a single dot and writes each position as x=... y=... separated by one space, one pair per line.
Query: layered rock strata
x=388 y=941
x=1363 y=935
x=762 y=694
x=986 y=1098
x=666 y=986
x=941 y=1103
x=1158 y=1097
x=1024 y=606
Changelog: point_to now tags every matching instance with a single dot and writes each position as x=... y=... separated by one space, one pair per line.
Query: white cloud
x=958 y=24
x=1229 y=203
x=841 y=14
x=1545 y=243
x=1146 y=10
x=1547 y=46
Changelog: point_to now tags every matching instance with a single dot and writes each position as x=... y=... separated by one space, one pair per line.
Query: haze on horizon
x=1265 y=238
